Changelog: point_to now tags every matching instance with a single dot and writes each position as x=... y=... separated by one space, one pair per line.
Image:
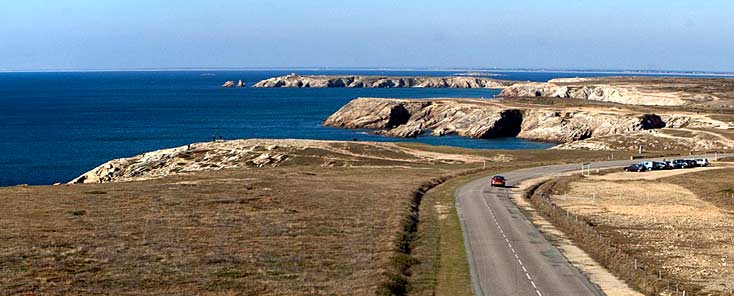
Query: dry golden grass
x=716 y=187
x=299 y=229
x=677 y=226
x=269 y=231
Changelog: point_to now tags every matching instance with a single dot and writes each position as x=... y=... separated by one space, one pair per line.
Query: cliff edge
x=715 y=93
x=476 y=118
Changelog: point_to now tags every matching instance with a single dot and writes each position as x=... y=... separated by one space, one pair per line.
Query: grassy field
x=273 y=231
x=716 y=187
x=442 y=267
x=676 y=226
x=323 y=222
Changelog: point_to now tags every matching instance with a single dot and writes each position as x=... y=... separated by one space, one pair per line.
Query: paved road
x=507 y=254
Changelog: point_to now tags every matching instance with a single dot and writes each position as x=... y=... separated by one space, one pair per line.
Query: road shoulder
x=443 y=267
x=597 y=274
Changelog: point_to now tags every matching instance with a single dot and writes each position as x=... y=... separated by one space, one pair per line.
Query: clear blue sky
x=620 y=34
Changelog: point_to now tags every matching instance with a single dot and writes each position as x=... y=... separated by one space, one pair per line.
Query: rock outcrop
x=231 y=84
x=656 y=140
x=268 y=153
x=319 y=81
x=190 y=158
x=484 y=119
x=604 y=93
x=650 y=91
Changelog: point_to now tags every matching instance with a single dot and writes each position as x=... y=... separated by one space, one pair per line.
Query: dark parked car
x=681 y=163
x=635 y=168
x=659 y=166
x=691 y=163
x=498 y=181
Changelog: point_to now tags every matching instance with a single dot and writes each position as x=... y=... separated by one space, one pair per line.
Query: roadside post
x=586 y=169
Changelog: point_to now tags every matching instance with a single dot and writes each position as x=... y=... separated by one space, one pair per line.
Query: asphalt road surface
x=507 y=254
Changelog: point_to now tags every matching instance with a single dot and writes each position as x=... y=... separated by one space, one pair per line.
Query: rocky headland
x=476 y=118
x=648 y=91
x=351 y=81
x=645 y=91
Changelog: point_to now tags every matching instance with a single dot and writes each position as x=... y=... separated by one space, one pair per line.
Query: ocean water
x=56 y=126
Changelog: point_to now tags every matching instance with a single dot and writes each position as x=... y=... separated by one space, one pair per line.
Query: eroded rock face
x=562 y=126
x=485 y=119
x=417 y=116
x=606 y=93
x=375 y=114
x=294 y=80
x=659 y=139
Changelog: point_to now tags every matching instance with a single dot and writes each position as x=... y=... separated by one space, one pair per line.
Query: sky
x=518 y=34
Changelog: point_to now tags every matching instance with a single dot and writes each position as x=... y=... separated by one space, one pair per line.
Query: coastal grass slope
x=671 y=236
x=325 y=220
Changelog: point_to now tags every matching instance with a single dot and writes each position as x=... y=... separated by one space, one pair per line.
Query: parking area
x=670 y=164
x=653 y=175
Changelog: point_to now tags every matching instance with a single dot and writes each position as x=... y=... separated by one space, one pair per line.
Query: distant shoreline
x=588 y=71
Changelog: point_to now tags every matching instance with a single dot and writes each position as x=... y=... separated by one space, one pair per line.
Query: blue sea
x=58 y=125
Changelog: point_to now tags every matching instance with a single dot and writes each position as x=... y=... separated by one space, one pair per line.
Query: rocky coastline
x=645 y=91
x=601 y=92
x=475 y=118
x=356 y=81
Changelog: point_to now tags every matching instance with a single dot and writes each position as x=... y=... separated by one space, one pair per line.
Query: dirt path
x=715 y=135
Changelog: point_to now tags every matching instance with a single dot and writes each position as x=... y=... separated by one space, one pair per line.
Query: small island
x=359 y=81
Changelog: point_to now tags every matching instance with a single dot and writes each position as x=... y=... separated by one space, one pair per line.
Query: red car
x=498 y=181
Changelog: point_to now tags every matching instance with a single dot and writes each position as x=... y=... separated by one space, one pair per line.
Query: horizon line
x=439 y=69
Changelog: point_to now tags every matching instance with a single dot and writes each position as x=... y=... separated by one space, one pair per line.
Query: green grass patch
x=443 y=268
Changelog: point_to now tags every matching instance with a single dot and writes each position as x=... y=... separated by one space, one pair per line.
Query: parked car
x=635 y=168
x=681 y=163
x=691 y=163
x=647 y=165
x=702 y=162
x=657 y=165
x=498 y=181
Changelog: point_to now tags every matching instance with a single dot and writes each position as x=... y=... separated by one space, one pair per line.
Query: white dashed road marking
x=509 y=244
